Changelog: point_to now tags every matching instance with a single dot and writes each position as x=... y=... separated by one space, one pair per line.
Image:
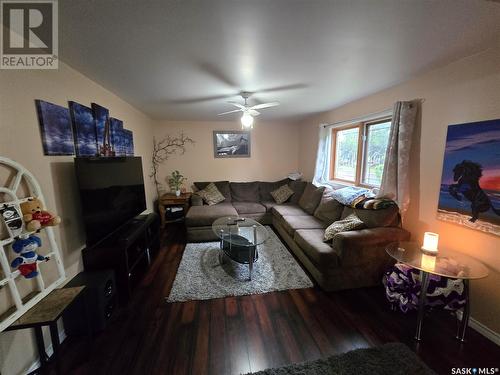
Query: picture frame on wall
x=470 y=182
x=84 y=131
x=231 y=144
x=55 y=128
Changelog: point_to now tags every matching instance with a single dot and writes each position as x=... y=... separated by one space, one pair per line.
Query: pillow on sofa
x=265 y=189
x=211 y=195
x=222 y=186
x=351 y=222
x=298 y=189
x=329 y=210
x=282 y=194
x=310 y=198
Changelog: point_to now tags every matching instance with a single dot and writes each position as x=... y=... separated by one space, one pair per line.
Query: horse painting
x=467 y=175
x=470 y=183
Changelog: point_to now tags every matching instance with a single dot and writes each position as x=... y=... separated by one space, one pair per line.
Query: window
x=358 y=152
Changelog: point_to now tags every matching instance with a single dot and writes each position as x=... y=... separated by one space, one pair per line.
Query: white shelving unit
x=11 y=278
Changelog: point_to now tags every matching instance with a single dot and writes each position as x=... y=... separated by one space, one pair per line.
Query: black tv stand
x=129 y=252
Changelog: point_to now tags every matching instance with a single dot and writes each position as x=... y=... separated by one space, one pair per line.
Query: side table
x=169 y=201
x=46 y=313
x=449 y=264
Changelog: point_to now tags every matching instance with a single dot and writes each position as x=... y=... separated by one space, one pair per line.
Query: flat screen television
x=111 y=193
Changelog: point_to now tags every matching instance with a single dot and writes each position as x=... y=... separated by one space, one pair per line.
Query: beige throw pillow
x=211 y=195
x=351 y=222
x=282 y=194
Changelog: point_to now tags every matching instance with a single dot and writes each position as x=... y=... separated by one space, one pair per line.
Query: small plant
x=175 y=181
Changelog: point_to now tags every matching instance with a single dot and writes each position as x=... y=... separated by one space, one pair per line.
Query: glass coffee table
x=449 y=264
x=239 y=239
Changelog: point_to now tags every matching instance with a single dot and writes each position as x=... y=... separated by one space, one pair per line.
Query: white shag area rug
x=200 y=276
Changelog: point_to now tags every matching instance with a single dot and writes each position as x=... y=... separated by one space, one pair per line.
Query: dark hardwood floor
x=241 y=334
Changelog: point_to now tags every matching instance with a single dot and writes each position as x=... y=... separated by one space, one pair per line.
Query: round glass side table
x=449 y=264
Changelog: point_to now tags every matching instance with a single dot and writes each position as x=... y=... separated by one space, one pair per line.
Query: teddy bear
x=36 y=217
x=27 y=260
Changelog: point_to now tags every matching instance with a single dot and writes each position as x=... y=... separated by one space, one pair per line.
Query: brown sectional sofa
x=354 y=259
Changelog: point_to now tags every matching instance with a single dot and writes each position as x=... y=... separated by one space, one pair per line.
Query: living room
x=314 y=71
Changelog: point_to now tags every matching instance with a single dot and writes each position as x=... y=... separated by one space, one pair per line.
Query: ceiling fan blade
x=236 y=104
x=253 y=112
x=225 y=113
x=265 y=105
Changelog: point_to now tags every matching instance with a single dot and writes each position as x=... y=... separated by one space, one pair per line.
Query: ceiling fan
x=249 y=112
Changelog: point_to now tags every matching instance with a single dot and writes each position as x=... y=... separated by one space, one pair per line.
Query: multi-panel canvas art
x=129 y=142
x=84 y=130
x=117 y=137
x=470 y=184
x=55 y=127
x=101 y=119
x=231 y=144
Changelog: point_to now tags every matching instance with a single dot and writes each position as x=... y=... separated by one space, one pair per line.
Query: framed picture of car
x=231 y=144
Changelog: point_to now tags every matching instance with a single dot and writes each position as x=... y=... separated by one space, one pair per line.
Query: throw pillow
x=211 y=195
x=351 y=222
x=282 y=194
x=310 y=198
x=329 y=210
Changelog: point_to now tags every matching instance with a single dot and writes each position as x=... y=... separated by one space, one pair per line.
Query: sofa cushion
x=292 y=223
x=329 y=210
x=269 y=205
x=265 y=189
x=351 y=222
x=282 y=194
x=288 y=210
x=385 y=217
x=311 y=197
x=211 y=195
x=245 y=191
x=321 y=254
x=223 y=187
x=298 y=189
x=249 y=207
x=199 y=216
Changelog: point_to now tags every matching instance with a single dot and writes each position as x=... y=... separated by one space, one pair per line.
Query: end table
x=169 y=201
x=46 y=313
x=448 y=264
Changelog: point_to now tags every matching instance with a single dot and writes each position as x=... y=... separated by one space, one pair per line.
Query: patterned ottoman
x=402 y=289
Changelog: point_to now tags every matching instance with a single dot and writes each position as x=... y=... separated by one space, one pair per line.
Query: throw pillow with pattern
x=351 y=222
x=282 y=194
x=211 y=195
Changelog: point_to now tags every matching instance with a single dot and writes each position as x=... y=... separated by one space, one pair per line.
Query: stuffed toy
x=36 y=217
x=27 y=260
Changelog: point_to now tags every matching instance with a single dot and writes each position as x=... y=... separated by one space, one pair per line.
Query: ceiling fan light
x=246 y=120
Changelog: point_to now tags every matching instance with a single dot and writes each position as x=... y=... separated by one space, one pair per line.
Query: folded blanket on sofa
x=351 y=194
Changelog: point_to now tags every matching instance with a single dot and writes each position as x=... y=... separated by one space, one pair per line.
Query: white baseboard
x=482 y=329
x=49 y=350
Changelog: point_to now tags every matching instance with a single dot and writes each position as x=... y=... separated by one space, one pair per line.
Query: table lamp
x=430 y=245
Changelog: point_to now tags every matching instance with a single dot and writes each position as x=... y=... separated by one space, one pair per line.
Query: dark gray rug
x=393 y=358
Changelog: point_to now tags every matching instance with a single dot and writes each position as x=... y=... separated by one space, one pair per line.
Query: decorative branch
x=163 y=149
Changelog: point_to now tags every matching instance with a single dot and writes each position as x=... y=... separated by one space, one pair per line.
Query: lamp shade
x=246 y=120
x=430 y=242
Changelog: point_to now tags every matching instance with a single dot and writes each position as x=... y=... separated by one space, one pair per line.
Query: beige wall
x=464 y=91
x=20 y=140
x=274 y=153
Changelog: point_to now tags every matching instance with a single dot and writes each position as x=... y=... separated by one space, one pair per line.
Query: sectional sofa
x=353 y=259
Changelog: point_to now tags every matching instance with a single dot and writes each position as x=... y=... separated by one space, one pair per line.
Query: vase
x=178 y=193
